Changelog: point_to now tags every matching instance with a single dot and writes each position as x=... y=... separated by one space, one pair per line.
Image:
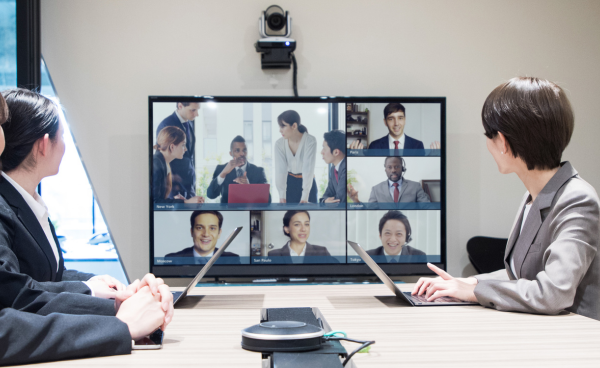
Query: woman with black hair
x=296 y=226
x=34 y=149
x=295 y=159
x=551 y=259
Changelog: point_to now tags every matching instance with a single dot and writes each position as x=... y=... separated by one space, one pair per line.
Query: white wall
x=370 y=171
x=106 y=57
x=325 y=230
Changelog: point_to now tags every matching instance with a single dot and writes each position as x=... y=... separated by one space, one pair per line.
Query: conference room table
x=205 y=331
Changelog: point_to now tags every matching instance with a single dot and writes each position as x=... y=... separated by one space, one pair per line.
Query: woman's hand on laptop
x=445 y=285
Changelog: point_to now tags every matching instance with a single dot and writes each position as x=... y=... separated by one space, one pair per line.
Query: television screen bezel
x=300 y=270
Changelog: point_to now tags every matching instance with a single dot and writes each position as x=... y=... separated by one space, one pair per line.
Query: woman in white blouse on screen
x=295 y=157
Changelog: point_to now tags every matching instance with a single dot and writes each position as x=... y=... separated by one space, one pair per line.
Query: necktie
x=337 y=179
x=396 y=144
x=396 y=192
x=239 y=172
x=188 y=135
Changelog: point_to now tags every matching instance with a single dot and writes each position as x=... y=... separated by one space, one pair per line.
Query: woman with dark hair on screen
x=296 y=226
x=295 y=158
x=170 y=145
x=551 y=258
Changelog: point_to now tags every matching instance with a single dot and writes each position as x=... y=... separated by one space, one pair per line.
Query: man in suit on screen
x=334 y=153
x=396 y=188
x=183 y=171
x=394 y=118
x=236 y=171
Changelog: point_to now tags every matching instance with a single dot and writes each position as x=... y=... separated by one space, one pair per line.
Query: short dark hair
x=183 y=103
x=336 y=139
x=536 y=118
x=31 y=117
x=392 y=108
x=199 y=212
x=288 y=217
x=398 y=216
x=237 y=139
x=290 y=117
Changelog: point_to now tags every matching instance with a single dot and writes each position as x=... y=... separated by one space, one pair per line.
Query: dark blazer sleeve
x=214 y=189
x=159 y=175
x=276 y=252
x=31 y=338
x=74 y=275
x=411 y=143
x=380 y=143
x=330 y=190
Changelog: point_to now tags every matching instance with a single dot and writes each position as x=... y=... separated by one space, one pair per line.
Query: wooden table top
x=206 y=331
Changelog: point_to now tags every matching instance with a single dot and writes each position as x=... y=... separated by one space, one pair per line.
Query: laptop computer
x=406 y=297
x=249 y=193
x=178 y=295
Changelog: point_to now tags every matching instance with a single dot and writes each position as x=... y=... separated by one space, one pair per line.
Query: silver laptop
x=414 y=300
x=179 y=295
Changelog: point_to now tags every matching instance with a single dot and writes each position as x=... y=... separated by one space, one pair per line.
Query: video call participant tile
x=394 y=183
x=396 y=236
x=388 y=129
x=192 y=237
x=302 y=237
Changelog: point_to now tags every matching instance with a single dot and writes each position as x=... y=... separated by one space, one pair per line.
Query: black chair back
x=486 y=254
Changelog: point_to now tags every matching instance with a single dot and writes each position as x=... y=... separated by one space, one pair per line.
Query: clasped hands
x=143 y=305
x=445 y=285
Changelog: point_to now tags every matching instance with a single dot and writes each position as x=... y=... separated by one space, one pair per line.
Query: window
x=84 y=237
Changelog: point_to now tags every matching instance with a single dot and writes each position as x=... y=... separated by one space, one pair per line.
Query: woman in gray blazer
x=551 y=258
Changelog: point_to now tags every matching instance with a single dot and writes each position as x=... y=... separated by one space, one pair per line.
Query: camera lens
x=276 y=21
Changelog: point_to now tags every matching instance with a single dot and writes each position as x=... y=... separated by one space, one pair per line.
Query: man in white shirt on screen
x=206 y=228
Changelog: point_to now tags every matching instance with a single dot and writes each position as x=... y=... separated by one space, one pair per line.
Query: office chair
x=486 y=254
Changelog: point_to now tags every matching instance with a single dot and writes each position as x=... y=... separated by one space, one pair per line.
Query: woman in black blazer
x=170 y=145
x=34 y=149
x=296 y=226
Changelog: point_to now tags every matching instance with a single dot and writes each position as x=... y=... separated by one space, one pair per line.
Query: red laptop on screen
x=249 y=193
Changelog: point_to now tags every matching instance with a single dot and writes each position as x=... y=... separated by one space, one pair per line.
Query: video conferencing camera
x=275 y=46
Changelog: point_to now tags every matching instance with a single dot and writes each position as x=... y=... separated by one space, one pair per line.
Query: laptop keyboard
x=423 y=299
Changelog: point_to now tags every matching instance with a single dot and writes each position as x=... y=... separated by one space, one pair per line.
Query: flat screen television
x=302 y=176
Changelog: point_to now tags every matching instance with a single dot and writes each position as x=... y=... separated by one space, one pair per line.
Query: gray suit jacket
x=555 y=255
x=410 y=191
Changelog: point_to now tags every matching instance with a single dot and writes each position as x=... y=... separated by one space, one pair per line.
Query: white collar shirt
x=400 y=141
x=198 y=255
x=393 y=257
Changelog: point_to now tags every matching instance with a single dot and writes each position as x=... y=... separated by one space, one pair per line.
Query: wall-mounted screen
x=302 y=176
